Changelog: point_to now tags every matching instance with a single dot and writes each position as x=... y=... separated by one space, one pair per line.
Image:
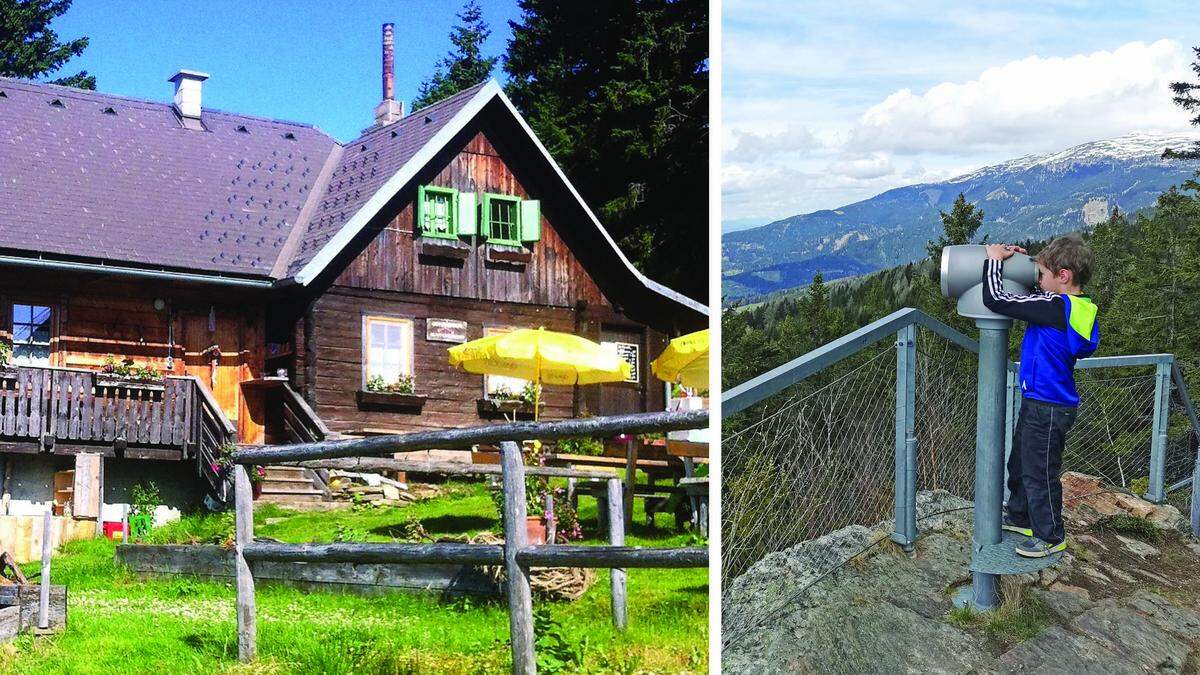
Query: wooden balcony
x=70 y=411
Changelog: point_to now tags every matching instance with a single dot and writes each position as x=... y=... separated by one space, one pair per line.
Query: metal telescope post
x=992 y=553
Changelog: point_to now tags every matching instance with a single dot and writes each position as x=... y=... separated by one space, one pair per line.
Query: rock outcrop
x=803 y=610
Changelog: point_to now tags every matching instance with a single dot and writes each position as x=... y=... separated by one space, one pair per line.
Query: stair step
x=291 y=498
x=309 y=490
x=272 y=485
x=287 y=470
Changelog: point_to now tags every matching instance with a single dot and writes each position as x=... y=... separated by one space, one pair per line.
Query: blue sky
x=829 y=103
x=302 y=61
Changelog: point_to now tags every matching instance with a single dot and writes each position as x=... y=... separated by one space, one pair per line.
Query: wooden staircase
x=291 y=485
x=291 y=420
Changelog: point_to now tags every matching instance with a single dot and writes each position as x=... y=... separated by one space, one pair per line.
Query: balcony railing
x=68 y=411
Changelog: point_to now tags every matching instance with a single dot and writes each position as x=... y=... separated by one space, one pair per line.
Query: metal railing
x=515 y=554
x=847 y=433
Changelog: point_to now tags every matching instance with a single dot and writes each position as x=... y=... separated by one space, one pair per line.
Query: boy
x=1061 y=328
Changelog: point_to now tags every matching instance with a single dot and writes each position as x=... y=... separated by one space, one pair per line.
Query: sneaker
x=1036 y=548
x=1009 y=525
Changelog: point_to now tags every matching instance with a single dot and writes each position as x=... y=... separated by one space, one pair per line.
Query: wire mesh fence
x=820 y=455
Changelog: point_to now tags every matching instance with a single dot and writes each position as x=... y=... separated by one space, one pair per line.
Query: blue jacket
x=1062 y=329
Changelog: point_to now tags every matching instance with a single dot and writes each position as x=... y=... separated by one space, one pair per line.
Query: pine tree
x=958 y=226
x=29 y=49
x=1185 y=97
x=618 y=93
x=464 y=67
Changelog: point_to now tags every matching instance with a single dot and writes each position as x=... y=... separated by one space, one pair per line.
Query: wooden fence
x=515 y=554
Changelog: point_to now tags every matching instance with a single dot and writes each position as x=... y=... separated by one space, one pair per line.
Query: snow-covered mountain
x=1036 y=196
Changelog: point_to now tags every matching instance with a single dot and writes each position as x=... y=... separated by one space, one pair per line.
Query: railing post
x=520 y=595
x=906 y=438
x=1012 y=408
x=616 y=537
x=244 y=534
x=1158 y=440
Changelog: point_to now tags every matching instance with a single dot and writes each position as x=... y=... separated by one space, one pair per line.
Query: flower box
x=390 y=400
x=496 y=408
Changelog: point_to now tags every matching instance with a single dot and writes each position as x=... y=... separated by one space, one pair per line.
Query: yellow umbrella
x=685 y=360
x=541 y=356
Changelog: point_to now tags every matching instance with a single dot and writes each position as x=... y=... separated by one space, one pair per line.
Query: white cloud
x=1034 y=101
x=750 y=146
x=874 y=166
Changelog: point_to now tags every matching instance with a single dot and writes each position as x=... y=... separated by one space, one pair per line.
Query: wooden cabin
x=174 y=279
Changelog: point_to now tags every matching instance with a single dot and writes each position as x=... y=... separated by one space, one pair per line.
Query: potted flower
x=145 y=498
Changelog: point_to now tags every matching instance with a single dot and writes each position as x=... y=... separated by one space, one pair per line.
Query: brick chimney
x=389 y=109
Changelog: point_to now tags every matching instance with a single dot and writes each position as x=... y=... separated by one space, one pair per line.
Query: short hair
x=1069 y=252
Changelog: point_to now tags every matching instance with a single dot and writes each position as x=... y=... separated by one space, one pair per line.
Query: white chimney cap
x=187 y=92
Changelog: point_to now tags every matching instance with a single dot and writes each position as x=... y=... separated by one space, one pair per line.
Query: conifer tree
x=465 y=66
x=30 y=49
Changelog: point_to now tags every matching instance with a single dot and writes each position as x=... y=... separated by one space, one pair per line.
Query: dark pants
x=1034 y=486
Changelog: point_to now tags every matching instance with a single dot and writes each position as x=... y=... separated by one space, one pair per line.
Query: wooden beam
x=446 y=468
x=516 y=538
x=44 y=581
x=448 y=439
x=612 y=556
x=438 y=553
x=616 y=537
x=244 y=530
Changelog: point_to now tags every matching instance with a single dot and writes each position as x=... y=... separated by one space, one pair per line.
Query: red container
x=112 y=529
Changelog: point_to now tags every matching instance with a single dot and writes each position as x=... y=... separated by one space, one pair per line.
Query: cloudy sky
x=829 y=103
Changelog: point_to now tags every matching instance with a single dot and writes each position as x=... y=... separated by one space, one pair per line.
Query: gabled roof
x=94 y=176
x=97 y=177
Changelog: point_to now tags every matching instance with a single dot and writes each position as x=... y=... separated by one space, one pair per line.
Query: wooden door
x=213 y=348
x=625 y=397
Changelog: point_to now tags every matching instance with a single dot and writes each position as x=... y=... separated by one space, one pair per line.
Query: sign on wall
x=445 y=330
x=629 y=352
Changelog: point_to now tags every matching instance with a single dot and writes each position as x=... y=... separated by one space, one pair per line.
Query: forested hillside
x=1146 y=282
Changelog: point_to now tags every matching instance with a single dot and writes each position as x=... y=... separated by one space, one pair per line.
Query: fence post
x=616 y=537
x=631 y=458
x=1158 y=439
x=520 y=595
x=243 y=500
x=906 y=438
x=1012 y=407
x=47 y=549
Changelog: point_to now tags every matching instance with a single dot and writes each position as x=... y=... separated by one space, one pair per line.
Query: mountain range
x=1032 y=197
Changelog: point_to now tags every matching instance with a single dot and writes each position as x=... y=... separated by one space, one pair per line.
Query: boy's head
x=1065 y=265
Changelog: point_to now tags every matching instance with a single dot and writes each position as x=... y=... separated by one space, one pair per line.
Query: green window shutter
x=531 y=220
x=421 y=210
x=468 y=215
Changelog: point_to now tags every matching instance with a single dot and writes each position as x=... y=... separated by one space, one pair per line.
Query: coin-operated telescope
x=993 y=550
x=962 y=278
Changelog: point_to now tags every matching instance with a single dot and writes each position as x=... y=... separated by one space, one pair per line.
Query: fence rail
x=516 y=554
x=847 y=433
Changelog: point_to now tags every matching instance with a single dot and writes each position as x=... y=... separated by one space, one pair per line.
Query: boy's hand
x=1002 y=251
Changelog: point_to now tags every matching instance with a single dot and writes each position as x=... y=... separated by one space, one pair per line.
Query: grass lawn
x=119 y=623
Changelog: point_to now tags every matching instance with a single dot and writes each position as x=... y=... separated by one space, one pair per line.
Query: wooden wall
x=336 y=348
x=395 y=259
x=94 y=315
x=395 y=275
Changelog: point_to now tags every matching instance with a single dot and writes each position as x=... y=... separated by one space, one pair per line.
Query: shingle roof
x=92 y=175
x=365 y=165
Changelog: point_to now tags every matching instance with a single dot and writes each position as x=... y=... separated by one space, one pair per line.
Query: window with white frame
x=31 y=334
x=501 y=386
x=387 y=349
